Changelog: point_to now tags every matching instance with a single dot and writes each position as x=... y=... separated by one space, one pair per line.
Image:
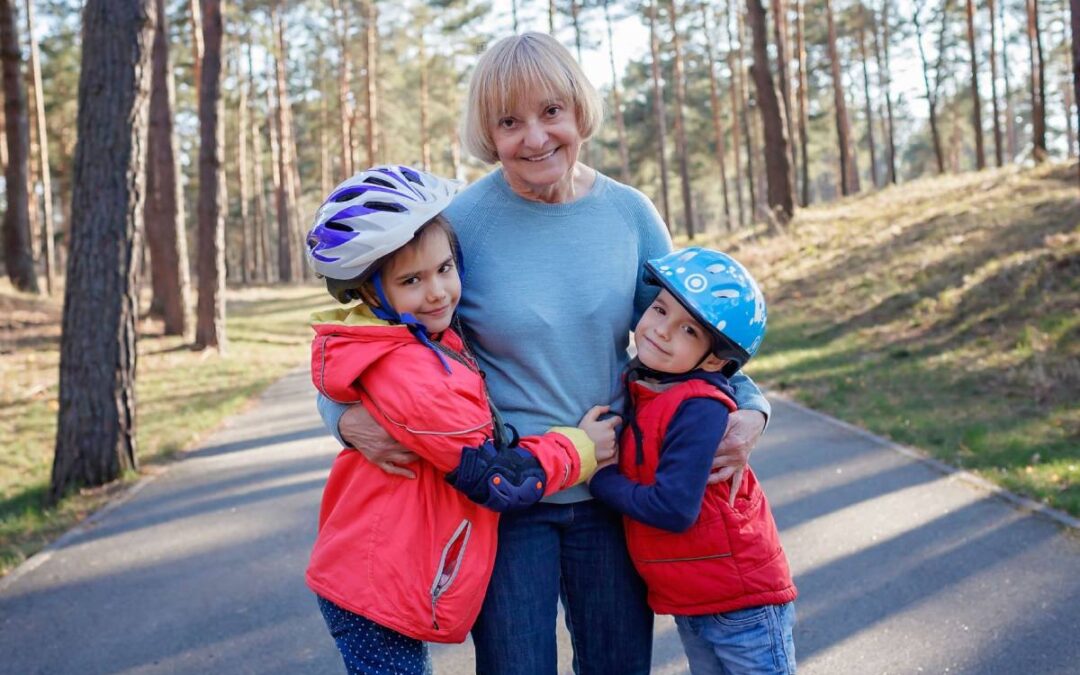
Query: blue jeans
x=752 y=641
x=371 y=649
x=576 y=552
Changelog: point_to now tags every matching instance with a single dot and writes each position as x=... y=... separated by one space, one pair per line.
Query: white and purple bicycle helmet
x=369 y=216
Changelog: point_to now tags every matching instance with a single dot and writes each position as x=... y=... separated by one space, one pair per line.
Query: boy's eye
x=659 y=310
x=690 y=330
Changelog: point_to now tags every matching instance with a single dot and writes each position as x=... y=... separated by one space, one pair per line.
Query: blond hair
x=514 y=70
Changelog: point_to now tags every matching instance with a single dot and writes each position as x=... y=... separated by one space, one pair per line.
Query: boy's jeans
x=756 y=640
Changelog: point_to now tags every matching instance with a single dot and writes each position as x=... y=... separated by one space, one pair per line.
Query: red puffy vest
x=730 y=558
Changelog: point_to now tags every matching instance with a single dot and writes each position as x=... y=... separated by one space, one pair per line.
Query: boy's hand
x=361 y=431
x=602 y=432
x=744 y=430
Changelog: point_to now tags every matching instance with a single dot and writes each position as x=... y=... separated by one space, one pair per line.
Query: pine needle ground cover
x=944 y=314
x=182 y=395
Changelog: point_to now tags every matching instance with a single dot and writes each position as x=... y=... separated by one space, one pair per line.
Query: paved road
x=901 y=569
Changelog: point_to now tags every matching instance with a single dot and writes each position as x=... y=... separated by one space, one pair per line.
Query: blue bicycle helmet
x=720 y=294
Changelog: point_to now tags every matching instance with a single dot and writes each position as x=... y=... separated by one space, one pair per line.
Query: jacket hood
x=349 y=340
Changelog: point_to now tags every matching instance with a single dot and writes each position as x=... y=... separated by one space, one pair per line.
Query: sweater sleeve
x=673 y=501
x=331 y=413
x=748 y=396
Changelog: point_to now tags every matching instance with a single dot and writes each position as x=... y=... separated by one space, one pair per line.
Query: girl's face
x=538 y=143
x=423 y=280
x=668 y=338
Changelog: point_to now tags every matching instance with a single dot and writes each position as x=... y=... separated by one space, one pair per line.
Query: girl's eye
x=446 y=268
x=690 y=331
x=410 y=281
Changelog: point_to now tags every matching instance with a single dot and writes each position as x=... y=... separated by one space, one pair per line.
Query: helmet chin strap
x=386 y=312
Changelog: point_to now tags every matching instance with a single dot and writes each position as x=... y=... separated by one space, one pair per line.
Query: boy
x=708 y=557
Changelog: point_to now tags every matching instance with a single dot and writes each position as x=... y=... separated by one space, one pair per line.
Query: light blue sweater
x=550 y=295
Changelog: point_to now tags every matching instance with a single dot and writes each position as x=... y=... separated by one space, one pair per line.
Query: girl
x=396 y=561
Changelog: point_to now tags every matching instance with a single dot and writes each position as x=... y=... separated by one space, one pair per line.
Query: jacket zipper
x=449 y=565
x=700 y=557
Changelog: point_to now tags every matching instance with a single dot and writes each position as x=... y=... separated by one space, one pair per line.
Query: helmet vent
x=374 y=180
x=386 y=206
x=346 y=195
x=340 y=227
x=411 y=176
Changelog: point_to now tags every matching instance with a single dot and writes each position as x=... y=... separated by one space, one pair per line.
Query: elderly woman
x=553 y=252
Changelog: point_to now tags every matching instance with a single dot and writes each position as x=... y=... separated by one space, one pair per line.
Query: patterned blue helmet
x=720 y=294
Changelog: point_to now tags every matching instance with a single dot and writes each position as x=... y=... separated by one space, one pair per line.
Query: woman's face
x=538 y=142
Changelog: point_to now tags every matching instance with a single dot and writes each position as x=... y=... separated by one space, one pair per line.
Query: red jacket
x=730 y=558
x=413 y=555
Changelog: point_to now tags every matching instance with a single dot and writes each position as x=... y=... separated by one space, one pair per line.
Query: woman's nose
x=535 y=135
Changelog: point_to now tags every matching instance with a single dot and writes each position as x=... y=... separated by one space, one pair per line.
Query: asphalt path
x=901 y=568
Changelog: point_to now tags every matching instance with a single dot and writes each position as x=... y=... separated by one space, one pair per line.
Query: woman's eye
x=506 y=123
x=554 y=110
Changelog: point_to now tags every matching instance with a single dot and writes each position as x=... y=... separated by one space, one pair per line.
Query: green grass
x=942 y=314
x=181 y=396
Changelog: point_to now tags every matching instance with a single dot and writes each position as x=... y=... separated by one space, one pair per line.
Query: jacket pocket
x=450 y=562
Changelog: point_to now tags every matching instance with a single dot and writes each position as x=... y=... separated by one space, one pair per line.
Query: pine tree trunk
x=288 y=272
x=264 y=265
x=976 y=100
x=749 y=128
x=862 y=21
x=164 y=210
x=248 y=255
x=658 y=109
x=18 y=252
x=998 y=150
x=1012 y=141
x=680 y=124
x=717 y=114
x=849 y=176
x=47 y=235
x=1037 y=83
x=1074 y=6
x=783 y=58
x=738 y=111
x=514 y=14
x=777 y=170
x=885 y=84
x=197 y=46
x=372 y=78
x=210 y=319
x=346 y=109
x=620 y=124
x=931 y=94
x=551 y=17
x=425 y=137
x=800 y=50
x=95 y=436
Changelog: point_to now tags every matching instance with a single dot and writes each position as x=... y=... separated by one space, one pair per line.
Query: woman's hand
x=602 y=432
x=743 y=431
x=361 y=431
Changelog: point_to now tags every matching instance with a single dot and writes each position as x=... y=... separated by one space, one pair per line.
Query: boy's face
x=669 y=339
x=423 y=280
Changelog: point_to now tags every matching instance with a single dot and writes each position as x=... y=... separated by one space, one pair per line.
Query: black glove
x=500 y=480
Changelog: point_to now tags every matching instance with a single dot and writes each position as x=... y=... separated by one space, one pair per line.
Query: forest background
x=811 y=137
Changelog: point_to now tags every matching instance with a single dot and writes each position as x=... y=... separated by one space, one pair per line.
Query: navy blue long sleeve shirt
x=673 y=502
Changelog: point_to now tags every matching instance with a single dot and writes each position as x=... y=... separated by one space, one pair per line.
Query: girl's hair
x=515 y=69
